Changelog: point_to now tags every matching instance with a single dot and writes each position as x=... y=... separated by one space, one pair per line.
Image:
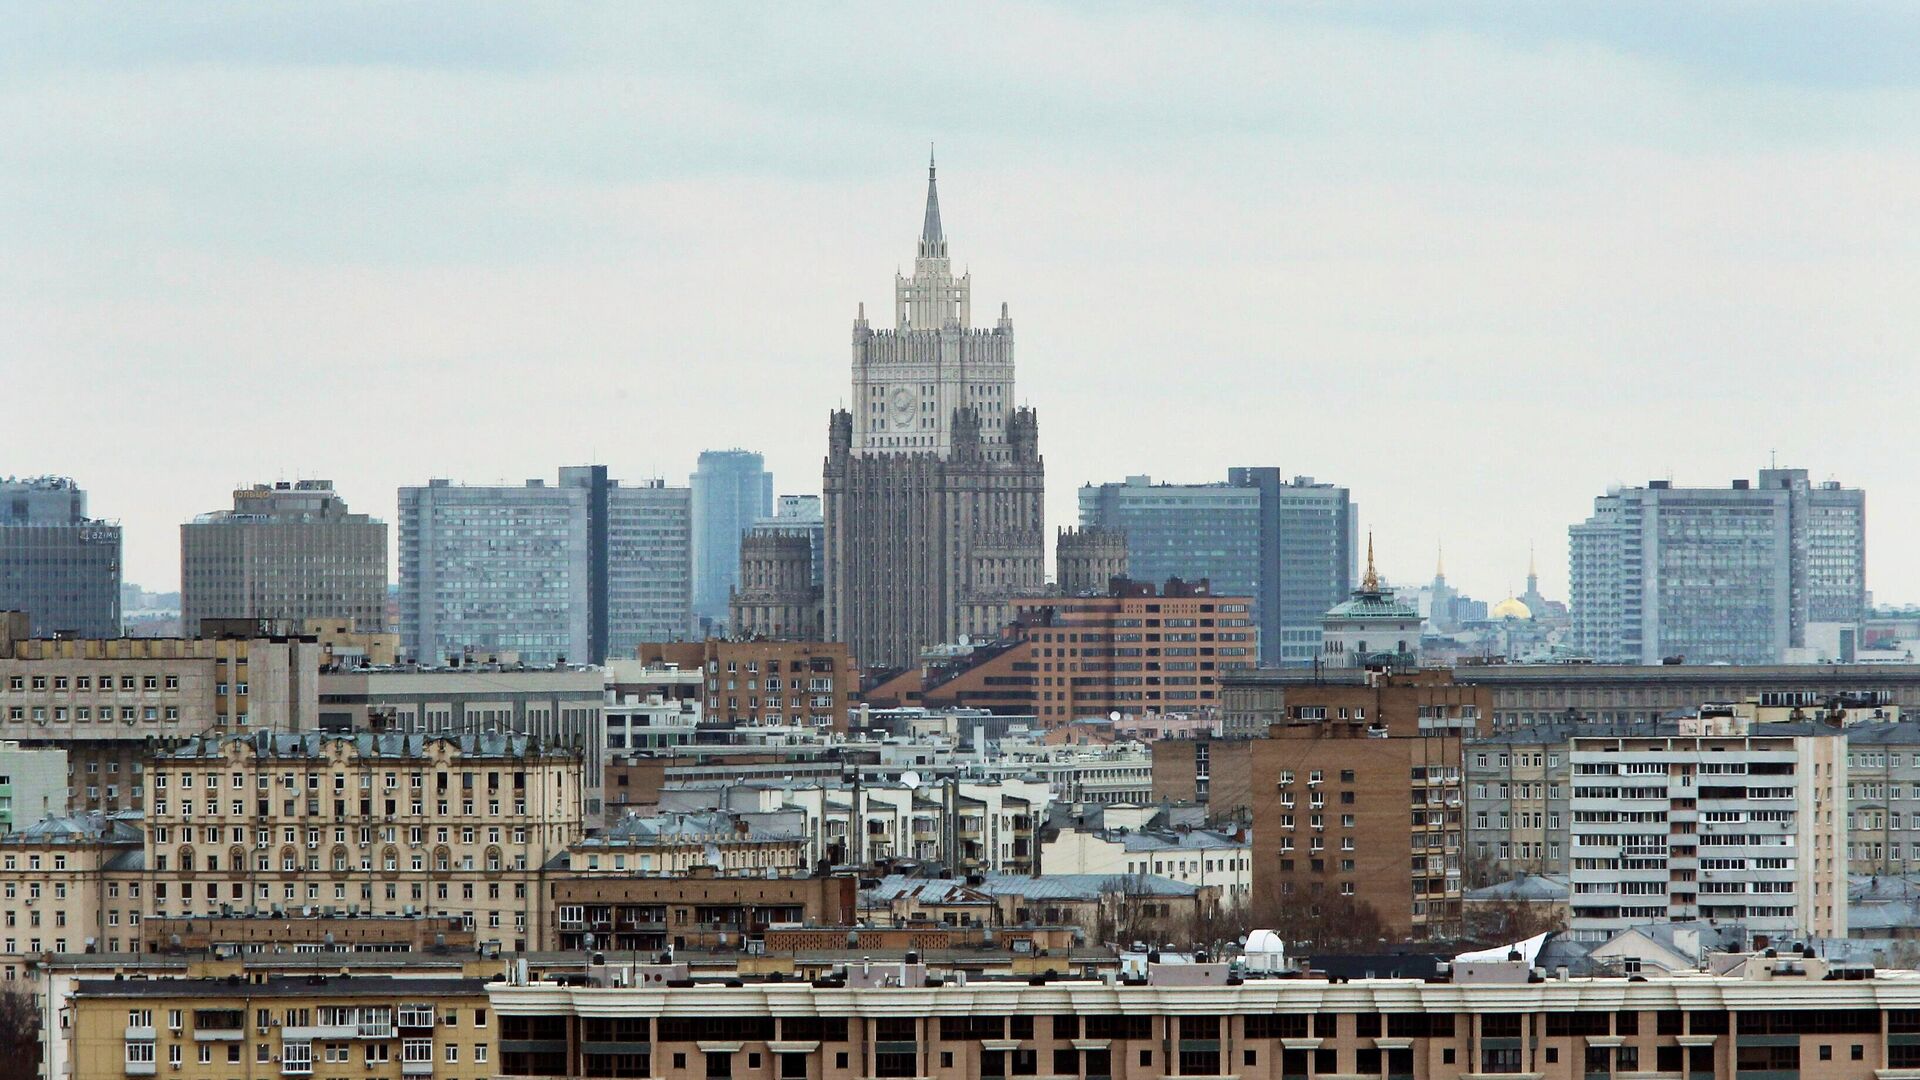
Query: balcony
x=416 y=1068
x=321 y=1032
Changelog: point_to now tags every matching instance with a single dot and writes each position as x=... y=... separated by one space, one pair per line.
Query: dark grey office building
x=1288 y=543
x=56 y=563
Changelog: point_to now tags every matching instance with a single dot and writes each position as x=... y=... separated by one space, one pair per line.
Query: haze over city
x=1473 y=265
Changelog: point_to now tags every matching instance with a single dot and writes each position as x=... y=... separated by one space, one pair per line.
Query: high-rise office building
x=1747 y=574
x=582 y=570
x=933 y=484
x=57 y=564
x=1289 y=544
x=731 y=490
x=285 y=551
x=649 y=565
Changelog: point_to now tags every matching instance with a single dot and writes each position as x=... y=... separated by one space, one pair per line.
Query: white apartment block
x=1201 y=857
x=1708 y=819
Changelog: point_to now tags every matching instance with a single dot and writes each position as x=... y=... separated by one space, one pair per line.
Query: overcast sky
x=1476 y=264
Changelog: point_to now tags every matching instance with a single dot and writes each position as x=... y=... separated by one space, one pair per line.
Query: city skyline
x=1661 y=249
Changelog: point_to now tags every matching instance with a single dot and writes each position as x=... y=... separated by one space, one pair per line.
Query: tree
x=19 y=1035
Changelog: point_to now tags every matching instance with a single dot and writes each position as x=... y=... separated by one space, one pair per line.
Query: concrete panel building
x=109 y=702
x=288 y=551
x=1755 y=573
x=581 y=570
x=57 y=564
x=33 y=784
x=1708 y=819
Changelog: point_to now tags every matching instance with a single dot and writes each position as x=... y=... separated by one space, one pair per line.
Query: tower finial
x=1370 y=583
x=1533 y=568
x=1440 y=563
x=933 y=243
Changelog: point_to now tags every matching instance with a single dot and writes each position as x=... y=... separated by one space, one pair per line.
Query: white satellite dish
x=1114 y=716
x=910 y=778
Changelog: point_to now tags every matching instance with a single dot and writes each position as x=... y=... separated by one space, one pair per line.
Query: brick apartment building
x=767 y=683
x=1133 y=650
x=1359 y=801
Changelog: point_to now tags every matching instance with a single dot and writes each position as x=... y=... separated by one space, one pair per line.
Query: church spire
x=1370 y=583
x=933 y=243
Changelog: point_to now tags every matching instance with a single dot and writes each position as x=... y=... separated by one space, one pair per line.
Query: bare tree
x=1496 y=921
x=19 y=1035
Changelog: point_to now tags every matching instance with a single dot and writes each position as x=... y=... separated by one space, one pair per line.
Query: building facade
x=1371 y=628
x=494 y=569
x=211 y=1029
x=759 y=683
x=1288 y=544
x=285 y=551
x=584 y=569
x=1339 y=769
x=776 y=596
x=57 y=564
x=387 y=824
x=1528 y=694
x=1135 y=650
x=933 y=485
x=33 y=784
x=1711 y=820
x=558 y=707
x=732 y=489
x=1749 y=574
x=109 y=702
x=1777 y=1017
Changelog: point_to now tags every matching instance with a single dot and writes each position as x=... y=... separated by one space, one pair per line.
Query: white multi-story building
x=1198 y=857
x=1748 y=574
x=1708 y=819
x=583 y=570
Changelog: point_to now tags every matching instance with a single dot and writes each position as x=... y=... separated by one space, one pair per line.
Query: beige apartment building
x=368 y=1028
x=109 y=701
x=68 y=884
x=389 y=824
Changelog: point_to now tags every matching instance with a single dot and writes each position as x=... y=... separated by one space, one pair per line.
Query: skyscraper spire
x=1440 y=563
x=933 y=243
x=1370 y=583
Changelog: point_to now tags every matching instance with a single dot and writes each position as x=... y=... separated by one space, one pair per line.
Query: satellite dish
x=1114 y=716
x=910 y=778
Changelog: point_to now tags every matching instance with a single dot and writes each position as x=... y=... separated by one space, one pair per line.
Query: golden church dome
x=1510 y=608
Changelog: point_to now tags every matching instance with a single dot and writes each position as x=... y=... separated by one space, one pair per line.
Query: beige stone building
x=68 y=884
x=776 y=597
x=375 y=823
x=110 y=701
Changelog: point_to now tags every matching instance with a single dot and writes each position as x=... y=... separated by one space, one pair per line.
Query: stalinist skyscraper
x=934 y=483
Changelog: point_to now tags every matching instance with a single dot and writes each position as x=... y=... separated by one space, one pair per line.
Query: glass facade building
x=1754 y=573
x=1286 y=543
